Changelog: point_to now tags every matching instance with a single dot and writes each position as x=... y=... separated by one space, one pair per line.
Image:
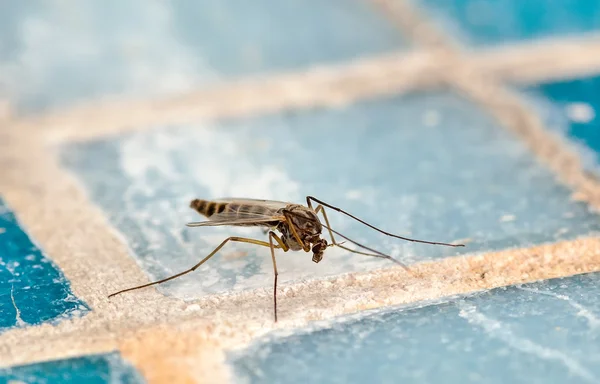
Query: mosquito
x=299 y=228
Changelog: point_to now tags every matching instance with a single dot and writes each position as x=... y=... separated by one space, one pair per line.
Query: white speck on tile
x=431 y=118
x=561 y=231
x=582 y=113
x=16 y=382
x=192 y=307
x=507 y=218
x=354 y=194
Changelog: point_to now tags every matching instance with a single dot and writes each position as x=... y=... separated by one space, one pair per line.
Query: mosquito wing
x=272 y=204
x=247 y=212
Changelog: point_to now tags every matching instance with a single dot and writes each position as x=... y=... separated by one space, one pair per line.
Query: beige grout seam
x=512 y=111
x=480 y=75
x=186 y=345
x=322 y=86
x=413 y=23
x=55 y=212
x=540 y=61
x=6 y=111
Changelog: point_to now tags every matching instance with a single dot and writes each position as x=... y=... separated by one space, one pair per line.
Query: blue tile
x=547 y=332
x=571 y=108
x=55 y=53
x=107 y=368
x=431 y=166
x=487 y=22
x=32 y=289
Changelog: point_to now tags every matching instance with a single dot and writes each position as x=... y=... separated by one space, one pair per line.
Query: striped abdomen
x=239 y=211
x=208 y=208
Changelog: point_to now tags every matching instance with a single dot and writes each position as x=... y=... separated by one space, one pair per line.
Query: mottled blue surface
x=431 y=166
x=107 y=368
x=547 y=332
x=32 y=289
x=571 y=107
x=487 y=22
x=53 y=53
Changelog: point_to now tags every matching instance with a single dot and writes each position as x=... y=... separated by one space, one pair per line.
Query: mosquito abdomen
x=207 y=208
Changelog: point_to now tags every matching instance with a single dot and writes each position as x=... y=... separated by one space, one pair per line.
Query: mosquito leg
x=285 y=248
x=321 y=209
x=309 y=199
x=233 y=238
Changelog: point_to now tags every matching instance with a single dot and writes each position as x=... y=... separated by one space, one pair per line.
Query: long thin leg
x=285 y=248
x=233 y=238
x=321 y=209
x=310 y=198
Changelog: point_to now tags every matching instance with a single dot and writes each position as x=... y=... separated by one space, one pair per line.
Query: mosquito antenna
x=376 y=253
x=308 y=198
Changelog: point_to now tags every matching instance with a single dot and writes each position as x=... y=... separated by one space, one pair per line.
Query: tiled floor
x=420 y=154
x=481 y=23
x=114 y=115
x=58 y=53
x=107 y=368
x=32 y=288
x=518 y=334
x=570 y=108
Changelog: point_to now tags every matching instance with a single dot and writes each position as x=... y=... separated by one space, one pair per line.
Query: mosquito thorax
x=305 y=223
x=304 y=219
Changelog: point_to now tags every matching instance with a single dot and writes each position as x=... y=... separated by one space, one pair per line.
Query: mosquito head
x=318 y=250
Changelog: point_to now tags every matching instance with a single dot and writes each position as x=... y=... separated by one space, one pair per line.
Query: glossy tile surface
x=107 y=368
x=58 y=53
x=480 y=23
x=571 y=108
x=428 y=165
x=547 y=332
x=32 y=289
